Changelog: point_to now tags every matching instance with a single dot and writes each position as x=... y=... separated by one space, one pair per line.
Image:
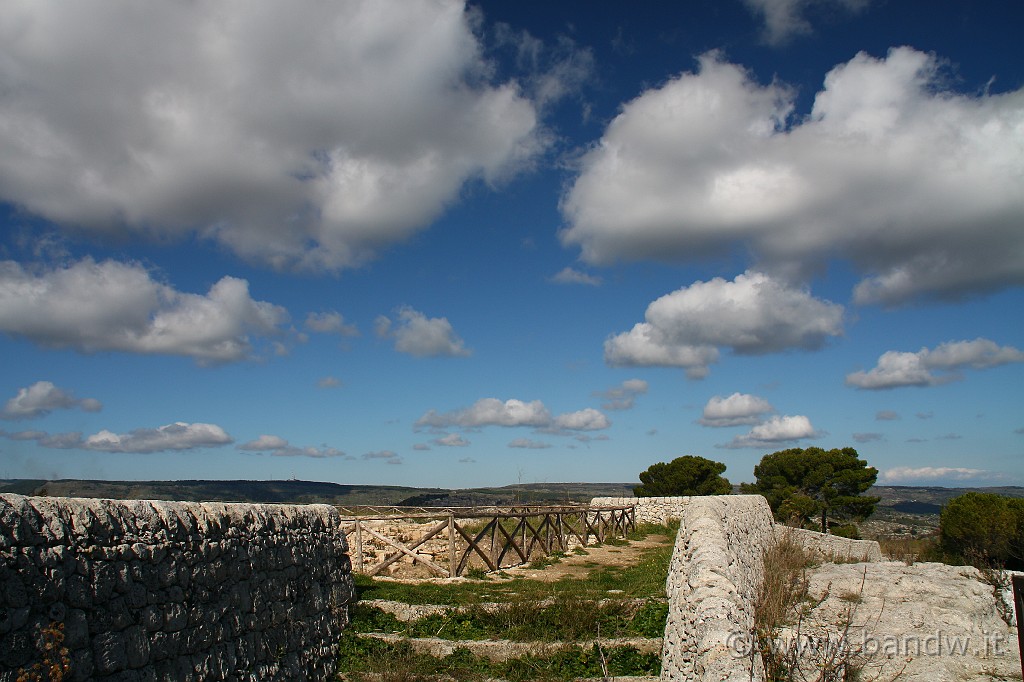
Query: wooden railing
x=493 y=538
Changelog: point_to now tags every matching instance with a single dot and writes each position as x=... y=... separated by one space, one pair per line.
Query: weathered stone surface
x=713 y=580
x=151 y=590
x=922 y=623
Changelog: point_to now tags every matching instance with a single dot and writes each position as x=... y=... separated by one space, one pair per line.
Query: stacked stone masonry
x=148 y=590
x=715 y=574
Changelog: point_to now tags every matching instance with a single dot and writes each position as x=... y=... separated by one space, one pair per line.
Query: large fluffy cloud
x=932 y=367
x=919 y=187
x=113 y=306
x=43 y=397
x=753 y=314
x=301 y=134
x=176 y=436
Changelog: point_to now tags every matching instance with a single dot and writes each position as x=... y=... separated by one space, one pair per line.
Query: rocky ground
x=925 y=622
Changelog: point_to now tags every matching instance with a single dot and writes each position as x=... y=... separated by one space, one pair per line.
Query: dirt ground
x=571 y=565
x=579 y=565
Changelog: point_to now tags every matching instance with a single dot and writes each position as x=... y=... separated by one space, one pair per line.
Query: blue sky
x=418 y=242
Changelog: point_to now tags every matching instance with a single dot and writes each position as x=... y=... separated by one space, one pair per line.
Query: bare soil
x=571 y=565
x=579 y=565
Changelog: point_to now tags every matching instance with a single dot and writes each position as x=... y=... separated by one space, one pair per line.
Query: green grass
x=397 y=662
x=567 y=610
x=562 y=620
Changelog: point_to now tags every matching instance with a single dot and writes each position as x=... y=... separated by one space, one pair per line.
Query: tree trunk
x=824 y=521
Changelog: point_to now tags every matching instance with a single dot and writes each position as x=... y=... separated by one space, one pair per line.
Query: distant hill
x=912 y=505
x=310 y=492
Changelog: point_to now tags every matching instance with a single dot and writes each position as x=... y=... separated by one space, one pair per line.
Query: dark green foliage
x=847 y=530
x=686 y=475
x=813 y=485
x=983 y=528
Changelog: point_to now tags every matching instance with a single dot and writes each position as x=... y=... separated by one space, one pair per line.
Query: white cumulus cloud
x=301 y=134
x=931 y=367
x=512 y=413
x=491 y=412
x=112 y=306
x=735 y=410
x=176 y=436
x=916 y=186
x=778 y=429
x=43 y=397
x=420 y=336
x=587 y=419
x=752 y=314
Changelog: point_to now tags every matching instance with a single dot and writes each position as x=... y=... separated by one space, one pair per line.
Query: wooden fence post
x=359 y=547
x=452 y=552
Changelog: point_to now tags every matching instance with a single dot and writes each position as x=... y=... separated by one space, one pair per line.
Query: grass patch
x=560 y=620
x=569 y=610
x=364 y=659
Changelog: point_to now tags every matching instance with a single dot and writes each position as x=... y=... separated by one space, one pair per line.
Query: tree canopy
x=814 y=485
x=686 y=475
x=983 y=528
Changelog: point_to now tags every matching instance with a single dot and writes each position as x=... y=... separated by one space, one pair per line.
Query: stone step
x=503 y=649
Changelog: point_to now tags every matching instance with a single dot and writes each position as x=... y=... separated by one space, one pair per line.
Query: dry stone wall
x=715 y=574
x=833 y=547
x=151 y=590
x=648 y=509
x=713 y=581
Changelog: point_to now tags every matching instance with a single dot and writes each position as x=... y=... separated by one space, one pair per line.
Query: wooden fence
x=496 y=537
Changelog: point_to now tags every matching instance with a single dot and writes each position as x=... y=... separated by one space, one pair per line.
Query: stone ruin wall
x=149 y=590
x=715 y=574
